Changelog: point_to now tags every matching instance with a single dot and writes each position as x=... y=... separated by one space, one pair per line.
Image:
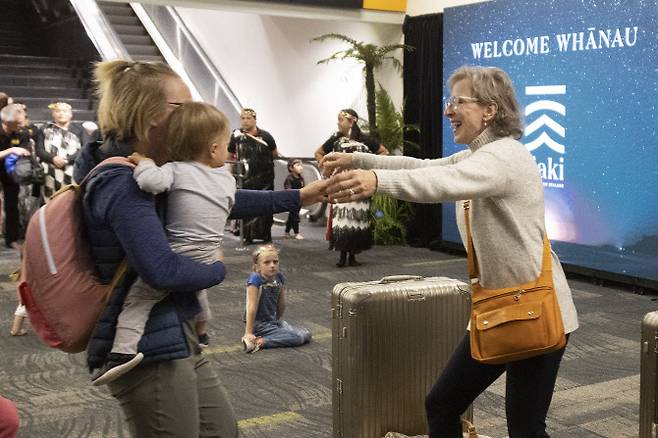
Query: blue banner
x=586 y=76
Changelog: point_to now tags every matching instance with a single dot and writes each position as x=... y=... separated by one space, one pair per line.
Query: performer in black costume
x=256 y=149
x=350 y=231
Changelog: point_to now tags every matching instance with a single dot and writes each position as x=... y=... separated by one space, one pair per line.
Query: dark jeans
x=529 y=391
x=293 y=222
x=12 y=218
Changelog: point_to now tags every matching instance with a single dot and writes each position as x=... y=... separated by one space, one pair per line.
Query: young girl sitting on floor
x=265 y=306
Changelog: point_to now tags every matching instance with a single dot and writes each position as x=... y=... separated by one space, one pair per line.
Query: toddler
x=201 y=195
x=264 y=327
x=294 y=180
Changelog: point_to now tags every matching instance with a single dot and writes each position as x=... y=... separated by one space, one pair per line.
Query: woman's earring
x=485 y=123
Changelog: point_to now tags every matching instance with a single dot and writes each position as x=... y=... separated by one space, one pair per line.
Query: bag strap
x=118 y=276
x=473 y=271
x=123 y=266
x=471 y=257
x=469 y=428
x=112 y=161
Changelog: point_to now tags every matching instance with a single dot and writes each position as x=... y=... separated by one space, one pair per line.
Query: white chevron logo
x=545 y=121
x=548 y=105
x=548 y=141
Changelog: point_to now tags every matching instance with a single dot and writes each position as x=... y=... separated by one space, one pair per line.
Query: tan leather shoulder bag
x=517 y=322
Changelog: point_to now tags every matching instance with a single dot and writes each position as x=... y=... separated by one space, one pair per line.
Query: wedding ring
x=351 y=192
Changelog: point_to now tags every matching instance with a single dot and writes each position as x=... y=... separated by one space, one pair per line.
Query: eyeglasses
x=453 y=102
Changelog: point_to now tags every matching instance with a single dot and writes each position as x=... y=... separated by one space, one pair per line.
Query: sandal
x=21 y=332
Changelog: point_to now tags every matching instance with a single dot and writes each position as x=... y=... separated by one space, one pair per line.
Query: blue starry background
x=606 y=215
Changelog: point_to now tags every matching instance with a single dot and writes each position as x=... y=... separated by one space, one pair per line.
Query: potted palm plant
x=372 y=57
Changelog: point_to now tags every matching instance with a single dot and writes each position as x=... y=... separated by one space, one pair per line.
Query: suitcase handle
x=396 y=278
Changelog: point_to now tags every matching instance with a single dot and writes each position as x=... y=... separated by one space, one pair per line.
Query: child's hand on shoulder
x=136 y=157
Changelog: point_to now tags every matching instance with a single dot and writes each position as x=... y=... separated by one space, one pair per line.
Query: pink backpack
x=58 y=284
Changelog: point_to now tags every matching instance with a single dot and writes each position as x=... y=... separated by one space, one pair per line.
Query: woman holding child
x=174 y=391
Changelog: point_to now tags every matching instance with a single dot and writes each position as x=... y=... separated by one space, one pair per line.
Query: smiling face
x=467 y=117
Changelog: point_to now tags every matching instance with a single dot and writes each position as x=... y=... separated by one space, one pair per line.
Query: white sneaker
x=299 y=237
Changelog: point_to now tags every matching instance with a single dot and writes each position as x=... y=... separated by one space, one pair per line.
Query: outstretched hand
x=335 y=162
x=351 y=186
x=313 y=192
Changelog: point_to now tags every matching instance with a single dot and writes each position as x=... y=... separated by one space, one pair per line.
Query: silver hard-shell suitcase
x=649 y=377
x=391 y=339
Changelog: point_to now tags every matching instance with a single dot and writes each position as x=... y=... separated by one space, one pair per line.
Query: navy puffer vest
x=163 y=337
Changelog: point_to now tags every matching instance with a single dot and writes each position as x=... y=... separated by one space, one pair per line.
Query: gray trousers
x=178 y=398
x=135 y=312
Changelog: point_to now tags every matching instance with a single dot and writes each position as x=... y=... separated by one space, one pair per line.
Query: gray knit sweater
x=501 y=179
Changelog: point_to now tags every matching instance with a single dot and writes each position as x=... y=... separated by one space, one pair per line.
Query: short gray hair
x=10 y=112
x=493 y=85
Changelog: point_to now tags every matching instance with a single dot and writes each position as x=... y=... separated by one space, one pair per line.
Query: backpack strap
x=118 y=276
x=123 y=266
x=112 y=161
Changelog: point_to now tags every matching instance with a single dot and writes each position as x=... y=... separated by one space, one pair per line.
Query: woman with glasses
x=500 y=179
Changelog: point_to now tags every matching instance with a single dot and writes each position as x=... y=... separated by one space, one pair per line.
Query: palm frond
x=396 y=62
x=336 y=36
x=343 y=54
x=371 y=56
x=383 y=50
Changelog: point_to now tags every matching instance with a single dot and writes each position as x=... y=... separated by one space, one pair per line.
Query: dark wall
x=60 y=31
x=423 y=93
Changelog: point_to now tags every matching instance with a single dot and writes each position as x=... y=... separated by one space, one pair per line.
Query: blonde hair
x=491 y=85
x=131 y=96
x=191 y=128
x=260 y=251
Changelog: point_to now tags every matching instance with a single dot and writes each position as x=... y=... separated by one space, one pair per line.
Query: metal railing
x=99 y=30
x=202 y=72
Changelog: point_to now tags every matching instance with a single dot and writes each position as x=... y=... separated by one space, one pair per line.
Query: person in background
x=13 y=139
x=348 y=127
x=294 y=180
x=349 y=228
x=256 y=149
x=5 y=100
x=266 y=304
x=175 y=391
x=57 y=148
x=24 y=123
x=28 y=193
x=499 y=177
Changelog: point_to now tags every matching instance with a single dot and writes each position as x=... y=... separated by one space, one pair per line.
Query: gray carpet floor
x=287 y=392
